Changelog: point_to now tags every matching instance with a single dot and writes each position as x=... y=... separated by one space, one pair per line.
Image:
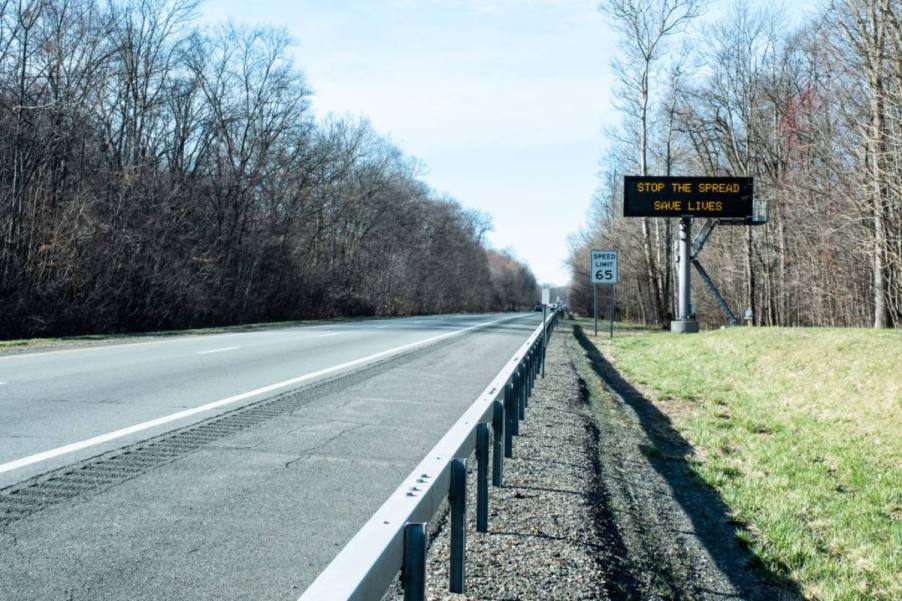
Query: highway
x=228 y=466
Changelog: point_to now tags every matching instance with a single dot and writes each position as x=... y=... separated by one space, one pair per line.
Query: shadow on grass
x=709 y=514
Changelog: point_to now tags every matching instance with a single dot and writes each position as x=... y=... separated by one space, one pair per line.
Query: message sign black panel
x=727 y=197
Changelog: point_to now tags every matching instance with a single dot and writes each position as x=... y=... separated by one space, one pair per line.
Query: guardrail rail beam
x=394 y=539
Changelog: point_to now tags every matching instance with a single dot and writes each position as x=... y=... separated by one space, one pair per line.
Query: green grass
x=30 y=342
x=800 y=430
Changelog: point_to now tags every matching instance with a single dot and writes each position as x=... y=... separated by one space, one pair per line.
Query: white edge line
x=109 y=436
x=219 y=350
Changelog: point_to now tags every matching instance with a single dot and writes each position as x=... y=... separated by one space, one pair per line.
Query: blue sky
x=504 y=101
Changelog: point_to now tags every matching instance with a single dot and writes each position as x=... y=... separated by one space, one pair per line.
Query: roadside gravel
x=599 y=503
x=542 y=541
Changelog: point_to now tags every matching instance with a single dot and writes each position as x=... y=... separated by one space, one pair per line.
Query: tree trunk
x=750 y=274
x=650 y=263
x=881 y=314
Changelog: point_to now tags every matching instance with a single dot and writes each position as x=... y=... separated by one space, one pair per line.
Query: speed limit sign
x=605 y=267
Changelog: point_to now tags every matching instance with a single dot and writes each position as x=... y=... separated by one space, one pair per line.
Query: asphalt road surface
x=229 y=466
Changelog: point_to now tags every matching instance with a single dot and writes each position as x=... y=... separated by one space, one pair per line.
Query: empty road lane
x=232 y=466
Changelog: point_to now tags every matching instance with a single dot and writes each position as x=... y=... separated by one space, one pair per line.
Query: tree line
x=156 y=173
x=813 y=113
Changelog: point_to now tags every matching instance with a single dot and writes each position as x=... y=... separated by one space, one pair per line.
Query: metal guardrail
x=394 y=540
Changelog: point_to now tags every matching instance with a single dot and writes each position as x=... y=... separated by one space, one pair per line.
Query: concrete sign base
x=684 y=326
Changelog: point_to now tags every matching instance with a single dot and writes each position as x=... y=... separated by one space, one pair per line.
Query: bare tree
x=867 y=26
x=645 y=26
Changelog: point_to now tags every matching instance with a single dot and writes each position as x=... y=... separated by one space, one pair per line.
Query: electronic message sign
x=727 y=197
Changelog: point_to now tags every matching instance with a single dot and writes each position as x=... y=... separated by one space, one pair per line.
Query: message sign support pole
x=685 y=322
x=595 y=305
x=685 y=299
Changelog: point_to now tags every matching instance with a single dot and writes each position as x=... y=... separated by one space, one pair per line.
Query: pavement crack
x=304 y=454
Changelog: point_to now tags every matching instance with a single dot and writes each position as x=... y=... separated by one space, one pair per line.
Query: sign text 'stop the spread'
x=727 y=197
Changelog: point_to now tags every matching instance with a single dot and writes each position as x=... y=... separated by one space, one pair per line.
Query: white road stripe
x=219 y=350
x=109 y=436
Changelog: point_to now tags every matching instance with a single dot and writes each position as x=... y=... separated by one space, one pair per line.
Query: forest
x=158 y=173
x=812 y=112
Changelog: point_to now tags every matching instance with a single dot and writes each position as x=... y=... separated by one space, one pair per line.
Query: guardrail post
x=413 y=570
x=544 y=351
x=497 y=443
x=510 y=418
x=531 y=367
x=538 y=365
x=457 y=495
x=517 y=412
x=533 y=363
x=543 y=346
x=535 y=359
x=521 y=398
x=482 y=478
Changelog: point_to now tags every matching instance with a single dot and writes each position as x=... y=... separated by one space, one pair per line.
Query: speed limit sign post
x=605 y=270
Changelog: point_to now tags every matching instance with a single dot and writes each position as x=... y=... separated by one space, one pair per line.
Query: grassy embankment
x=800 y=430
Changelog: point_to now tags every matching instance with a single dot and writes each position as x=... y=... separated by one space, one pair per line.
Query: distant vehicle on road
x=537 y=308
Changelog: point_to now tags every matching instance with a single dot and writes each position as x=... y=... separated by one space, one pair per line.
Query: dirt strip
x=599 y=503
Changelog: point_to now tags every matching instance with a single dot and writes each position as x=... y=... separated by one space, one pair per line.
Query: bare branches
x=646 y=24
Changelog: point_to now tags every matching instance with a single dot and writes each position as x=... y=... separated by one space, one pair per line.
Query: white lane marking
x=218 y=350
x=3 y=383
x=331 y=334
x=109 y=436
